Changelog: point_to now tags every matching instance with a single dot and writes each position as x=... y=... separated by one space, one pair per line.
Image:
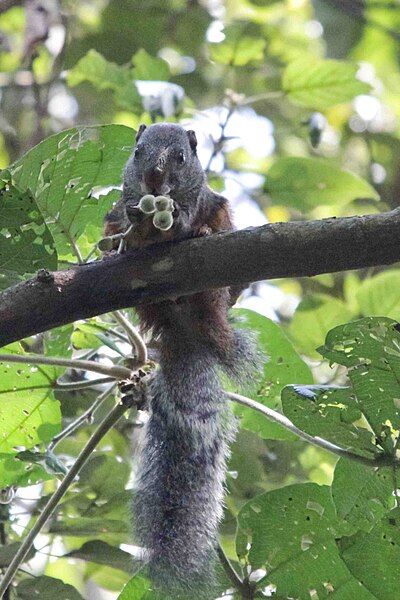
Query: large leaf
x=305 y=183
x=100 y=552
x=290 y=532
x=331 y=413
x=319 y=84
x=64 y=170
x=29 y=414
x=379 y=295
x=362 y=495
x=313 y=318
x=26 y=244
x=374 y=557
x=46 y=588
x=281 y=365
x=138 y=588
x=370 y=349
x=93 y=67
x=149 y=68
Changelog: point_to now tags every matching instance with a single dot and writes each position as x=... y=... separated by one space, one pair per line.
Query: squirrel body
x=178 y=496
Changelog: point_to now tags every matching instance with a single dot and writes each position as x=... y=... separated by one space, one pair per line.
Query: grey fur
x=180 y=481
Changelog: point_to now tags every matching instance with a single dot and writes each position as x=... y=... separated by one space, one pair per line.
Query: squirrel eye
x=136 y=154
x=181 y=157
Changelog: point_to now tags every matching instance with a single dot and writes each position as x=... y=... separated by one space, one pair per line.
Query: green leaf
x=18 y=473
x=138 y=588
x=330 y=413
x=85 y=527
x=65 y=170
x=151 y=68
x=100 y=552
x=49 y=461
x=46 y=588
x=29 y=414
x=282 y=365
x=369 y=348
x=8 y=552
x=362 y=495
x=379 y=295
x=93 y=67
x=375 y=557
x=238 y=50
x=26 y=244
x=306 y=183
x=319 y=84
x=290 y=532
x=96 y=475
x=313 y=318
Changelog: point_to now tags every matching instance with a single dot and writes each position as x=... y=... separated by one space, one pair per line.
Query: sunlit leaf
x=305 y=183
x=320 y=84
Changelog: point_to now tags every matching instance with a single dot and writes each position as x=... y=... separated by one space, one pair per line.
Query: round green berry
x=163 y=220
x=105 y=244
x=164 y=203
x=147 y=204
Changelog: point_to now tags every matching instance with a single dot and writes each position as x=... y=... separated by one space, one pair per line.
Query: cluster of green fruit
x=161 y=207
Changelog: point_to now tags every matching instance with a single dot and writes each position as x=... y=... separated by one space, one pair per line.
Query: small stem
x=108 y=422
x=116 y=371
x=71 y=386
x=229 y=570
x=218 y=143
x=273 y=415
x=135 y=339
x=86 y=416
x=264 y=96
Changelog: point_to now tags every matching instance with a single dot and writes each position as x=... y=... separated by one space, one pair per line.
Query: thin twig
x=135 y=338
x=71 y=386
x=218 y=143
x=273 y=415
x=116 y=371
x=105 y=426
x=84 y=417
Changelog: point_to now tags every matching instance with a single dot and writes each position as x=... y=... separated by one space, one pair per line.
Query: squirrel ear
x=192 y=140
x=140 y=131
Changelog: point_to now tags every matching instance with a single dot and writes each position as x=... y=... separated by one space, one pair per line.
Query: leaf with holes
x=370 y=349
x=362 y=495
x=29 y=414
x=64 y=171
x=374 y=557
x=281 y=365
x=26 y=244
x=290 y=532
x=332 y=413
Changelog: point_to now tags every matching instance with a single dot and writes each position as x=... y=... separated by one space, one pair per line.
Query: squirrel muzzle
x=155 y=178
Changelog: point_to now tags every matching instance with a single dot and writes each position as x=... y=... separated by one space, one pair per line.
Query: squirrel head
x=164 y=161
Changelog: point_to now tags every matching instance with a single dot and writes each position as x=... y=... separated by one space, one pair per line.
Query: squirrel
x=179 y=488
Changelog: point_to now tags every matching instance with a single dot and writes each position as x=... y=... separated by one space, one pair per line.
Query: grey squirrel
x=180 y=481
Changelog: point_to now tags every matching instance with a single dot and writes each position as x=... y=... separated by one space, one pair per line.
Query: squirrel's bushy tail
x=178 y=498
x=181 y=473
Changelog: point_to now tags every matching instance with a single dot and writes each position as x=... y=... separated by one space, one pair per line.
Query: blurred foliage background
x=278 y=143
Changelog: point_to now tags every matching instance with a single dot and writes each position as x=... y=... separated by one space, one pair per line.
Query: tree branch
x=384 y=460
x=168 y=270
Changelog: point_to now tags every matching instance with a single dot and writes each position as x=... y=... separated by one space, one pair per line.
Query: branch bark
x=168 y=270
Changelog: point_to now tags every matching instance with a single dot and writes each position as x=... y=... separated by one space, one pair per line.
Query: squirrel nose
x=155 y=180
